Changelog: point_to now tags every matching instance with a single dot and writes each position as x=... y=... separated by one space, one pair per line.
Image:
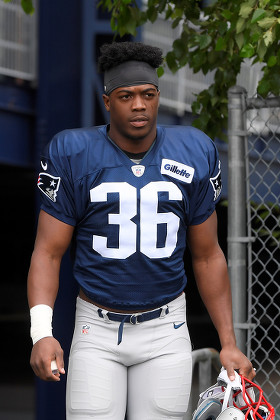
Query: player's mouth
x=139 y=121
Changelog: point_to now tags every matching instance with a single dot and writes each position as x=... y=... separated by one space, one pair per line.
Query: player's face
x=133 y=115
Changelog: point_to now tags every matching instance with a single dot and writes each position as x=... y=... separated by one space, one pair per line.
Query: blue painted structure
x=17 y=124
x=58 y=107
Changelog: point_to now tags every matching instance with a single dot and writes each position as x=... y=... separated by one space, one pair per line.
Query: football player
x=128 y=197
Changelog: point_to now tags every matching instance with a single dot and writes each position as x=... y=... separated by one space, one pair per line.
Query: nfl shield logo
x=138 y=170
x=85 y=329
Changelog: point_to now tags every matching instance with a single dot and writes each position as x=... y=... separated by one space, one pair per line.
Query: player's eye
x=149 y=94
x=125 y=97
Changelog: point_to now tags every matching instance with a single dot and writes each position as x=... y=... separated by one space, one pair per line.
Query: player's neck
x=132 y=145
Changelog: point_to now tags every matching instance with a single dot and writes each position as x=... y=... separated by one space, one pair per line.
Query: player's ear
x=106 y=101
x=158 y=94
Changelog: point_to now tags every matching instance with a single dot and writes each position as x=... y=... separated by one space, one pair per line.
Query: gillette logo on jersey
x=177 y=170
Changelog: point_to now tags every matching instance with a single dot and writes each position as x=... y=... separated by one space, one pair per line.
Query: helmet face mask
x=240 y=399
x=251 y=401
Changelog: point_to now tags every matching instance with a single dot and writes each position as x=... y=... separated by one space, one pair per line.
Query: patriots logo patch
x=49 y=185
x=216 y=182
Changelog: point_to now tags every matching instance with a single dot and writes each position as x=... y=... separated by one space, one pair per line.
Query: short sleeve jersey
x=130 y=220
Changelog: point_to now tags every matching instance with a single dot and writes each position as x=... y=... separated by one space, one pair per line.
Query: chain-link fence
x=254 y=233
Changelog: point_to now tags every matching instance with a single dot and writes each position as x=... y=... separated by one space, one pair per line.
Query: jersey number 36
x=150 y=218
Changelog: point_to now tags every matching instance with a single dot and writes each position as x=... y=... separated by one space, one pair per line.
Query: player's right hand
x=43 y=352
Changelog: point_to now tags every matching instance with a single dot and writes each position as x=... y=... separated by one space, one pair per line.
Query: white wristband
x=41 y=322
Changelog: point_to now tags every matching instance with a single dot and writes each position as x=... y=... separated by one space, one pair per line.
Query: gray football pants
x=148 y=373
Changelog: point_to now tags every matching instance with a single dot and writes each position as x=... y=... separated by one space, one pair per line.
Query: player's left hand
x=233 y=359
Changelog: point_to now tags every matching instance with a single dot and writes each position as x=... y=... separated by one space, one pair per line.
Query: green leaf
x=222 y=28
x=252 y=3
x=231 y=46
x=214 y=100
x=171 y=62
x=198 y=60
x=247 y=51
x=183 y=61
x=239 y=38
x=268 y=37
x=272 y=61
x=263 y=87
x=275 y=82
x=257 y=15
x=213 y=57
x=261 y=49
x=255 y=37
x=126 y=21
x=168 y=13
x=227 y=14
x=178 y=12
x=160 y=71
x=152 y=14
x=263 y=3
x=27 y=6
x=179 y=48
x=202 y=120
x=267 y=22
x=220 y=44
x=245 y=10
x=162 y=5
x=113 y=24
x=176 y=22
x=130 y=27
x=204 y=41
x=240 y=25
x=196 y=107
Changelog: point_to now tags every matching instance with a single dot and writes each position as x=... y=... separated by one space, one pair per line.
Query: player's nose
x=138 y=103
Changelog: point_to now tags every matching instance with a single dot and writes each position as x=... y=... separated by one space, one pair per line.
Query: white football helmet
x=240 y=399
x=231 y=413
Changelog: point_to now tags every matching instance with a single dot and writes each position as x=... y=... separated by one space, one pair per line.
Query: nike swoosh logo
x=44 y=165
x=178 y=325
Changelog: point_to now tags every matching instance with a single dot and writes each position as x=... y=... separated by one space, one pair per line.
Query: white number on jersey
x=150 y=218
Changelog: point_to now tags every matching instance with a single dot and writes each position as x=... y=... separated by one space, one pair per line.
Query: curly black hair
x=118 y=52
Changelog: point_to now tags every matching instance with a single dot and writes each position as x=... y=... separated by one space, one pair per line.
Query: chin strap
x=227 y=398
x=231 y=386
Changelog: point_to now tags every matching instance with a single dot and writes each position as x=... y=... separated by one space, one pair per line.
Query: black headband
x=129 y=73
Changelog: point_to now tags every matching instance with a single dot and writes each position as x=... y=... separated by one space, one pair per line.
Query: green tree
x=219 y=39
x=27 y=6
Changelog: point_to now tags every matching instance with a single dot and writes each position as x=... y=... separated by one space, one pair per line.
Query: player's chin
x=139 y=133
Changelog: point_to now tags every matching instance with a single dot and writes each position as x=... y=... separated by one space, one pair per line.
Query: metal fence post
x=237 y=230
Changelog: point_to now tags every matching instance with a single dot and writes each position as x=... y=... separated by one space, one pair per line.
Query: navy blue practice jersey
x=130 y=220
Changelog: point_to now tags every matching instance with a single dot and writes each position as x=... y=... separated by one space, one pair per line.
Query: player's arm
x=211 y=274
x=52 y=240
